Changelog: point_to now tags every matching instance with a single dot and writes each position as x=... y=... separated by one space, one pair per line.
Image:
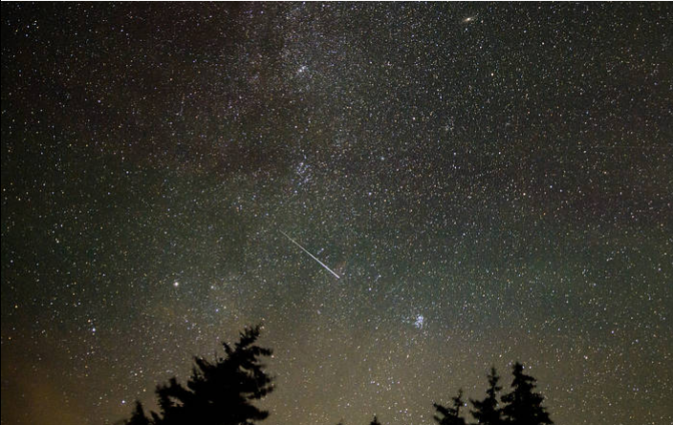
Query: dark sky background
x=492 y=182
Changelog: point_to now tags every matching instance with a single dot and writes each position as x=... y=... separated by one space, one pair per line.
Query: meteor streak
x=312 y=256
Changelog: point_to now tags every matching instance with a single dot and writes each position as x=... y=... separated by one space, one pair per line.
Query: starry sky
x=492 y=183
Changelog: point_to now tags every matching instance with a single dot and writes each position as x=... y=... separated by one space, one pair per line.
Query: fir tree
x=450 y=415
x=487 y=411
x=524 y=406
x=219 y=393
x=138 y=416
x=375 y=421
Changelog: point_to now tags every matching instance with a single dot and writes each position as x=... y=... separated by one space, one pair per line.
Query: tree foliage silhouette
x=450 y=415
x=138 y=416
x=375 y=421
x=524 y=406
x=487 y=411
x=219 y=393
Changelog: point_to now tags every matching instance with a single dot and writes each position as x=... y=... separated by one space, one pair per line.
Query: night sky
x=492 y=183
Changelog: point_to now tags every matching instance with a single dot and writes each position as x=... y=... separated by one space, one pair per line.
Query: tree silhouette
x=450 y=415
x=487 y=411
x=138 y=416
x=219 y=393
x=524 y=406
x=375 y=421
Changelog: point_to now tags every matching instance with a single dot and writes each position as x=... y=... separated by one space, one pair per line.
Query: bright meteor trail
x=312 y=256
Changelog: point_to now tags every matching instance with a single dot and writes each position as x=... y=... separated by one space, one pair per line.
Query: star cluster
x=492 y=183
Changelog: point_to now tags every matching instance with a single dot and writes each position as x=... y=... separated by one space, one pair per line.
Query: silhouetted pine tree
x=524 y=407
x=450 y=415
x=375 y=421
x=487 y=411
x=219 y=393
x=138 y=416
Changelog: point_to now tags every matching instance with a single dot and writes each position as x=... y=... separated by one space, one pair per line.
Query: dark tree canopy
x=222 y=393
x=219 y=393
x=487 y=411
x=523 y=405
x=138 y=416
x=450 y=415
